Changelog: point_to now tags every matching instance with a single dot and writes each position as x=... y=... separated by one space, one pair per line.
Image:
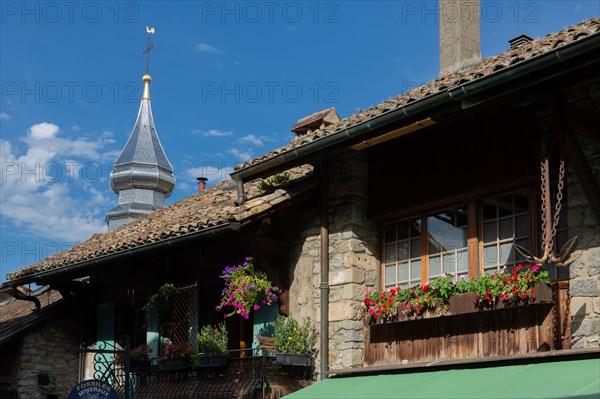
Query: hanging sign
x=93 y=389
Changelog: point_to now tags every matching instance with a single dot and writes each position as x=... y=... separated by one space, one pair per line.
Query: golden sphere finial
x=147 y=78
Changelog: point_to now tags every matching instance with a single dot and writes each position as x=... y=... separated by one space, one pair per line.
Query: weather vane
x=149 y=31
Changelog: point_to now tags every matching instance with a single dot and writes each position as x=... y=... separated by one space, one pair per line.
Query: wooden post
x=563 y=314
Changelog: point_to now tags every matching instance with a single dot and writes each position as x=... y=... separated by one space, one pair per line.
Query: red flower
x=532 y=291
x=425 y=288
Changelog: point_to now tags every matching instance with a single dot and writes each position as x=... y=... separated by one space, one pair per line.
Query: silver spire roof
x=142 y=176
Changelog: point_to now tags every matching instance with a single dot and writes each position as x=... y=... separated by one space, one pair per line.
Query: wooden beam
x=393 y=134
x=584 y=173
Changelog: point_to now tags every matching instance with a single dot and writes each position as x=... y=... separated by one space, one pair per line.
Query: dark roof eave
x=304 y=153
x=86 y=265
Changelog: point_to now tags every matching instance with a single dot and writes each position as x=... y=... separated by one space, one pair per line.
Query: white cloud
x=55 y=188
x=207 y=48
x=43 y=130
x=251 y=139
x=4 y=116
x=241 y=155
x=212 y=132
x=75 y=128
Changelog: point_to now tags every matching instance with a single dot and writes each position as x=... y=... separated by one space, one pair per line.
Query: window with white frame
x=437 y=243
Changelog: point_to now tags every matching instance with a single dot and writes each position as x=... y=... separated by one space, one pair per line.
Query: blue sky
x=229 y=80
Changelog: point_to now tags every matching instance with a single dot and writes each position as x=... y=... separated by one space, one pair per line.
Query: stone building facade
x=44 y=350
x=585 y=272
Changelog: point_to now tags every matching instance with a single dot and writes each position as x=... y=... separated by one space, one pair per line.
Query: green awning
x=555 y=379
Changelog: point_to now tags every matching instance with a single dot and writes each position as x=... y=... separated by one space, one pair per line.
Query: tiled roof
x=13 y=310
x=482 y=69
x=212 y=207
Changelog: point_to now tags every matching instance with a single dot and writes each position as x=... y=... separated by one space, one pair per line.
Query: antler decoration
x=565 y=256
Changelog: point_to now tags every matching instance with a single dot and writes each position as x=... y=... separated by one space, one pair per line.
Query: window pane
x=403 y=271
x=415 y=248
x=403 y=251
x=390 y=233
x=415 y=270
x=489 y=209
x=522 y=225
x=463 y=260
x=435 y=266
x=525 y=244
x=522 y=202
x=490 y=256
x=462 y=219
x=489 y=232
x=415 y=228
x=448 y=264
x=506 y=229
x=403 y=230
x=506 y=252
x=390 y=274
x=505 y=206
x=390 y=253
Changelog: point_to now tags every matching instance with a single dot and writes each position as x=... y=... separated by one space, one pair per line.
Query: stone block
x=581 y=306
x=596 y=305
x=586 y=326
x=343 y=310
x=356 y=276
x=585 y=287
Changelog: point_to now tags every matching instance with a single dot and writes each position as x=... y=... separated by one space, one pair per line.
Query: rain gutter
x=300 y=154
x=79 y=267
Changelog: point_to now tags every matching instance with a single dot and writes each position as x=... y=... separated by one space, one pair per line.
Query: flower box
x=466 y=303
x=293 y=359
x=202 y=360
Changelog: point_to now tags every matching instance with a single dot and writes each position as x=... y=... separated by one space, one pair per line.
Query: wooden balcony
x=470 y=335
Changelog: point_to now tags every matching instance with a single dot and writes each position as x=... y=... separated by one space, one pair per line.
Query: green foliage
x=273 y=181
x=161 y=303
x=213 y=340
x=290 y=336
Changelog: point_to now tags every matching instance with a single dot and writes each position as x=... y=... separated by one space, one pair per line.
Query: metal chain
x=559 y=195
x=544 y=205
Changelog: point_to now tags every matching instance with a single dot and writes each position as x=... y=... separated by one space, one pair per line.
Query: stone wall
x=44 y=349
x=585 y=272
x=353 y=261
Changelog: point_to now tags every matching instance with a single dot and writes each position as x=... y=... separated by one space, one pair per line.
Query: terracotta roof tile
x=485 y=67
x=212 y=207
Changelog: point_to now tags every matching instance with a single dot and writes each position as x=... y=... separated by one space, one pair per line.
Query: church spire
x=142 y=177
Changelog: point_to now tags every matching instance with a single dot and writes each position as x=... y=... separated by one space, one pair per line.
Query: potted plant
x=246 y=289
x=212 y=346
x=176 y=356
x=46 y=378
x=138 y=359
x=294 y=341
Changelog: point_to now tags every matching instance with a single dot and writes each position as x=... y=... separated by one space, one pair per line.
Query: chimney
x=519 y=40
x=201 y=183
x=459 y=34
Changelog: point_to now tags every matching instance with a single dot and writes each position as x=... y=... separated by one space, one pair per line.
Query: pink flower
x=535 y=268
x=256 y=307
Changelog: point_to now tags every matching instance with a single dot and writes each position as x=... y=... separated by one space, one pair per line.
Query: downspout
x=20 y=296
x=240 y=191
x=324 y=286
